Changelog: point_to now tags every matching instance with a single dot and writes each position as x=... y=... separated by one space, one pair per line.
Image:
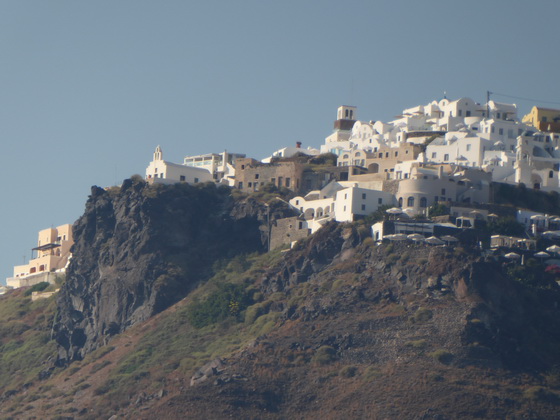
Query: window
x=468 y=113
x=446 y=156
x=288 y=182
x=363 y=207
x=468 y=147
x=182 y=178
x=345 y=196
x=443 y=191
x=423 y=202
x=297 y=202
x=195 y=180
x=386 y=154
x=396 y=154
x=501 y=131
x=551 y=174
x=379 y=201
x=460 y=113
x=363 y=196
x=249 y=184
x=240 y=185
x=256 y=176
x=410 y=202
x=498 y=115
x=434 y=155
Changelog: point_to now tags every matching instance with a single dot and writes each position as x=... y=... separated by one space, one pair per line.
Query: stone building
x=252 y=175
x=292 y=173
x=287 y=231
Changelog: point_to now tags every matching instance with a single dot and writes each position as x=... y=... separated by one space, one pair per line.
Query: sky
x=89 y=89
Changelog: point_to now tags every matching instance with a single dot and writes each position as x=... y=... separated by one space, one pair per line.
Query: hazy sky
x=89 y=88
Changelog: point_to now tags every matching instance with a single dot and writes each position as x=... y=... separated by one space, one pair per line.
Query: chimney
x=298 y=144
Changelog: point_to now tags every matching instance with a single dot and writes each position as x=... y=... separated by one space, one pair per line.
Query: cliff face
x=141 y=249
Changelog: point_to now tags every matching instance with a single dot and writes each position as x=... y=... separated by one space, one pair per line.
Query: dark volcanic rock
x=141 y=249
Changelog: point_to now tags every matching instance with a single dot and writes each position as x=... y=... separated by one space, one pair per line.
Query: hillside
x=336 y=327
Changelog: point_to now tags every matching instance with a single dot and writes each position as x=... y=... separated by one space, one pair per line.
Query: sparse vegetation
x=348 y=371
x=39 y=287
x=418 y=344
x=324 y=355
x=442 y=356
x=422 y=315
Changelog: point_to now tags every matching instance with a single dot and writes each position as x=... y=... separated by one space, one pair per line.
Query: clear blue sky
x=89 y=88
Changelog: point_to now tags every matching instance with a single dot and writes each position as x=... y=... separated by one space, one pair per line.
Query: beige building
x=381 y=160
x=52 y=256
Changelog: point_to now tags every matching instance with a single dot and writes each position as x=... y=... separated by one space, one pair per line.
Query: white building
x=220 y=165
x=163 y=172
x=340 y=201
x=287 y=152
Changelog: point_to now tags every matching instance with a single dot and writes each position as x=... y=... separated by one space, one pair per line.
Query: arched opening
x=373 y=168
x=410 y=202
x=423 y=202
x=33 y=270
x=400 y=201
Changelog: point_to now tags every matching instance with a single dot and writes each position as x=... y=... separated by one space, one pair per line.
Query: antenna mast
x=488 y=93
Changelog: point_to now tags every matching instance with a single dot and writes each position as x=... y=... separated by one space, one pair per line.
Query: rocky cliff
x=141 y=248
x=336 y=327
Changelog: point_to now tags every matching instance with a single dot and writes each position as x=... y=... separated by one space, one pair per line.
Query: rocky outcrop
x=142 y=248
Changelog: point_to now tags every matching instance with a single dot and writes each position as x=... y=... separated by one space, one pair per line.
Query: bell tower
x=158 y=154
x=345 y=117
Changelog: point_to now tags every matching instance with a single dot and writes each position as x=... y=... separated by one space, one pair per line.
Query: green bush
x=422 y=315
x=371 y=373
x=228 y=301
x=39 y=287
x=438 y=209
x=348 y=371
x=442 y=356
x=324 y=355
x=539 y=393
x=255 y=311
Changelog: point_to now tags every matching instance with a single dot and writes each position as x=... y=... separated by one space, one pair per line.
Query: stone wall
x=286 y=231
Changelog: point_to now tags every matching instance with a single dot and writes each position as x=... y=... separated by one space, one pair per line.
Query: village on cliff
x=451 y=155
